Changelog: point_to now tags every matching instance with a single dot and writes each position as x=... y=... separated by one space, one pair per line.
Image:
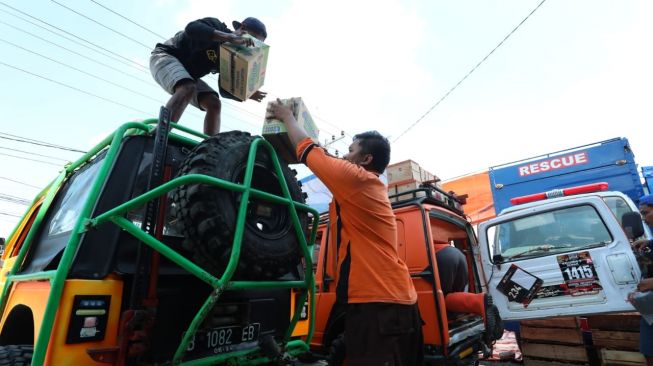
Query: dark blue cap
x=253 y=25
x=646 y=200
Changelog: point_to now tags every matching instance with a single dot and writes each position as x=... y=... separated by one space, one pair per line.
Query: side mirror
x=632 y=225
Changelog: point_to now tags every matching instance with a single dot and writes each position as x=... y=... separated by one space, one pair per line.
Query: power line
x=8 y=214
x=81 y=71
x=102 y=25
x=14 y=199
x=36 y=142
x=104 y=54
x=127 y=19
x=32 y=153
x=19 y=182
x=36 y=160
x=77 y=53
x=469 y=73
x=76 y=89
x=75 y=36
x=44 y=143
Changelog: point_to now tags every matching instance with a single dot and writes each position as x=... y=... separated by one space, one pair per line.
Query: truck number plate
x=223 y=339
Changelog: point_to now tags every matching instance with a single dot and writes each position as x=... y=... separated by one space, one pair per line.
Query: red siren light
x=587 y=188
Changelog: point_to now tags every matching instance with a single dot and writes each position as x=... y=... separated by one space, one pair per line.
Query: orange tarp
x=479 y=206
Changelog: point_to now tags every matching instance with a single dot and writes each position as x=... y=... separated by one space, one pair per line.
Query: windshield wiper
x=539 y=248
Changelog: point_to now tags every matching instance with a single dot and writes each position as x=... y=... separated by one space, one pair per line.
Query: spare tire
x=208 y=213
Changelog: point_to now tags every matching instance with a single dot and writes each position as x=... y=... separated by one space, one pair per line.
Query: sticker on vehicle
x=519 y=285
x=579 y=274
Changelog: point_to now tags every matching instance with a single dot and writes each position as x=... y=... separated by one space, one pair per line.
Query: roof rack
x=430 y=193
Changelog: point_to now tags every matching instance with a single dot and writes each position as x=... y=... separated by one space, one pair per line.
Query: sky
x=574 y=73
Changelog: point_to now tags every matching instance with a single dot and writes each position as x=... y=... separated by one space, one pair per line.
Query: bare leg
x=184 y=92
x=212 y=105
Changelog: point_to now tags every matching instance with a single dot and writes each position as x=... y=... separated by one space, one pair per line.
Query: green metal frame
x=116 y=216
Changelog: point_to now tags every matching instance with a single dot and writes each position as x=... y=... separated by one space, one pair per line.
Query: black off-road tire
x=337 y=351
x=494 y=324
x=19 y=355
x=208 y=214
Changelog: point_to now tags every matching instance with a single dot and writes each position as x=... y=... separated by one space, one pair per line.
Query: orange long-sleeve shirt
x=364 y=231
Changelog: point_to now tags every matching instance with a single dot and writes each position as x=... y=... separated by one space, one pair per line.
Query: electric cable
x=36 y=142
x=77 y=89
x=81 y=71
x=129 y=20
x=14 y=199
x=79 y=54
x=35 y=160
x=102 y=25
x=32 y=153
x=19 y=182
x=76 y=36
x=468 y=73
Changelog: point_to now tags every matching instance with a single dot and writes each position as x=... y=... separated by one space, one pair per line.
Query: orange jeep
x=425 y=221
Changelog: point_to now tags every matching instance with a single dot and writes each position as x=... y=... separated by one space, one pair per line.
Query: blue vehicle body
x=647 y=173
x=610 y=161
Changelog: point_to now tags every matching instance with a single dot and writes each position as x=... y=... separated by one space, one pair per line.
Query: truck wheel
x=337 y=355
x=208 y=213
x=16 y=355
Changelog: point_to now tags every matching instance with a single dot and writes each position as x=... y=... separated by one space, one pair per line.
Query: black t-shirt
x=195 y=48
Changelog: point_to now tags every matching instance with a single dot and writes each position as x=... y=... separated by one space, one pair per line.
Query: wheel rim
x=263 y=218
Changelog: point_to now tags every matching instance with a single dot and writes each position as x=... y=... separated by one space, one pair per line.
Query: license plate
x=223 y=339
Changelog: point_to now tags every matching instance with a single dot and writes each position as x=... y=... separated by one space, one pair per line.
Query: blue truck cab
x=610 y=161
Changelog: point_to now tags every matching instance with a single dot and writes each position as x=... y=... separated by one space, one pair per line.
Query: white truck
x=562 y=253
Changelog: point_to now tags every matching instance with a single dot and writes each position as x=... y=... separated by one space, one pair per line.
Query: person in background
x=646 y=284
x=454 y=279
x=382 y=321
x=178 y=64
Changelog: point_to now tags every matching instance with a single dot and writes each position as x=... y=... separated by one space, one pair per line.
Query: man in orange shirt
x=382 y=325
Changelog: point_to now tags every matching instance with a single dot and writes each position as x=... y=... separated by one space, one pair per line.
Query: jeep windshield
x=563 y=230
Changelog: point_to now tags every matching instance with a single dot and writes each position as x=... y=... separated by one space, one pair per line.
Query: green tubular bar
x=116 y=216
x=47 y=275
x=57 y=283
x=49 y=197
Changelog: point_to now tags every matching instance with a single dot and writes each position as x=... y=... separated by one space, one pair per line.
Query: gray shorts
x=168 y=71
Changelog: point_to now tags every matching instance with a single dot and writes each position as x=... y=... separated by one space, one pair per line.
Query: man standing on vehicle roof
x=645 y=329
x=179 y=63
x=382 y=324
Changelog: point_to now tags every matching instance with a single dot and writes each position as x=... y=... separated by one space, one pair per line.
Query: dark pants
x=383 y=334
x=452 y=268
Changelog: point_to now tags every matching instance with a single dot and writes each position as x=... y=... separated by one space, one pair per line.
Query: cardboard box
x=276 y=133
x=242 y=68
x=408 y=170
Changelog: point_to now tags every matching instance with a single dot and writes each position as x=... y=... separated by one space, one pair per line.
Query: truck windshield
x=562 y=230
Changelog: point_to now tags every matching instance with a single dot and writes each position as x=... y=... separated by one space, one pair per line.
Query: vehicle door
x=564 y=258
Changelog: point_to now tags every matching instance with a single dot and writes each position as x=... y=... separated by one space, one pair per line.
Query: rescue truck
x=611 y=161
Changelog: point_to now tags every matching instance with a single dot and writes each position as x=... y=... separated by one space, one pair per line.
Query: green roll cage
x=116 y=216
